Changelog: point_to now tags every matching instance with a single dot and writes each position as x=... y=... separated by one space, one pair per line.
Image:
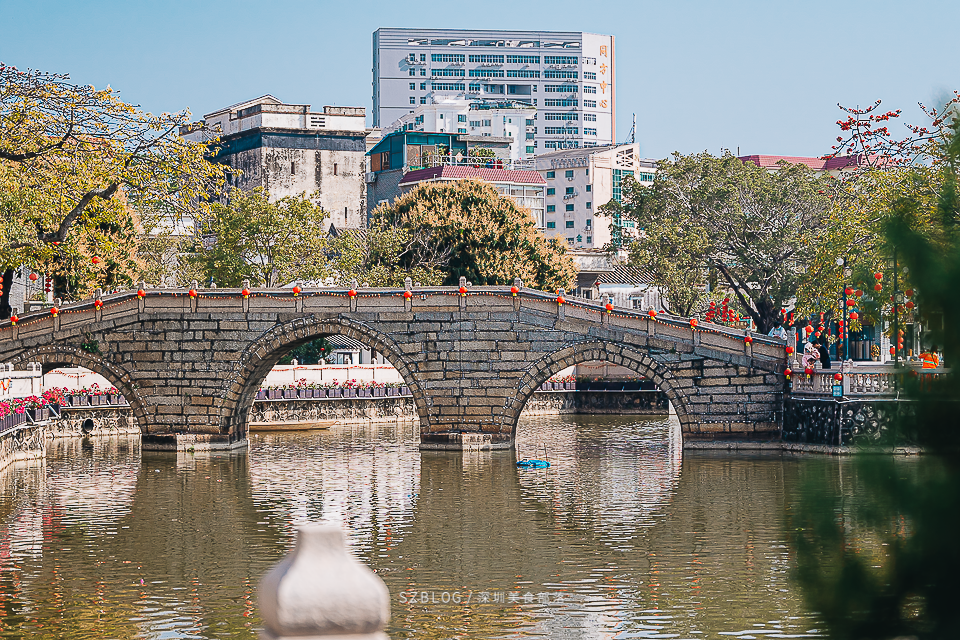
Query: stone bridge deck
x=190 y=362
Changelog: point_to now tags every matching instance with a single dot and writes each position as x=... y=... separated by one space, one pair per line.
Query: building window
x=589 y=117
x=486 y=73
x=487 y=59
x=413 y=86
x=589 y=205
x=423 y=71
x=571 y=75
x=461 y=117
x=293 y=168
x=589 y=75
x=413 y=100
x=559 y=131
x=590 y=103
x=562 y=88
x=423 y=57
x=579 y=238
x=569 y=207
x=412 y=57
x=531 y=149
x=551 y=225
x=448 y=57
x=530 y=136
x=589 y=239
x=522 y=73
x=560 y=59
x=550 y=144
x=447 y=86
x=523 y=59
x=570 y=241
x=589 y=222
x=589 y=188
x=335 y=169
x=423 y=99
x=474 y=87
x=569 y=224
x=457 y=73
x=568 y=173
x=566 y=102
x=551 y=191
x=561 y=116
x=551 y=208
x=569 y=190
x=645 y=177
x=461 y=130
x=551 y=174
x=587 y=131
x=413 y=72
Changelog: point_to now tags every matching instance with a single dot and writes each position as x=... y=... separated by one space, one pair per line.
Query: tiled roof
x=627 y=274
x=817 y=164
x=459 y=172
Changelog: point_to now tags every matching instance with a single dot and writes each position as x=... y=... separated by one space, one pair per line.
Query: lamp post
x=845 y=272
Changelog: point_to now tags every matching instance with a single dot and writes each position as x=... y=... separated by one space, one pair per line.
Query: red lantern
x=463 y=291
x=245 y=293
x=693 y=323
x=33 y=277
x=192 y=293
x=95 y=260
x=854 y=315
x=789 y=350
x=808 y=329
x=878 y=276
x=838 y=377
x=910 y=304
x=748 y=340
x=652 y=313
x=848 y=291
x=713 y=304
x=891 y=350
x=296 y=290
x=858 y=293
x=407 y=295
x=352 y=293
x=14 y=319
x=788 y=372
x=908 y=293
x=141 y=293
x=54 y=311
x=851 y=303
x=98 y=304
x=514 y=290
x=878 y=287
x=808 y=371
x=560 y=299
x=608 y=307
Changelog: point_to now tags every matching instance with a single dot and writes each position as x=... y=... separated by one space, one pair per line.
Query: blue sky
x=764 y=77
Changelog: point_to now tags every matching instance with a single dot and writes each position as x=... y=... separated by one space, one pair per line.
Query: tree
x=488 y=239
x=75 y=163
x=314 y=352
x=884 y=563
x=269 y=243
x=382 y=256
x=752 y=229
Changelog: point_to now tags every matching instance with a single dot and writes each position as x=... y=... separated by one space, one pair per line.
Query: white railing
x=436 y=160
x=859 y=380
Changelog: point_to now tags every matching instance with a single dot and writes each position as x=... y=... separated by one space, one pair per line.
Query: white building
x=288 y=150
x=579 y=181
x=445 y=113
x=568 y=76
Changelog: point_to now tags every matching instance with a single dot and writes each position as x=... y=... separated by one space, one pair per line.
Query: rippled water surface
x=621 y=537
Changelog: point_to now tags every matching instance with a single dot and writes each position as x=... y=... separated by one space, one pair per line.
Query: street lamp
x=845 y=272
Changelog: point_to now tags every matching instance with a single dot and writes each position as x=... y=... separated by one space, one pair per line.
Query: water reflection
x=621 y=537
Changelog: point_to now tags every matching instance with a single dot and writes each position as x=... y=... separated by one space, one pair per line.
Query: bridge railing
x=670 y=327
x=872 y=380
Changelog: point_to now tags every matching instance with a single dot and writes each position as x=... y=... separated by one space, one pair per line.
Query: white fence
x=859 y=380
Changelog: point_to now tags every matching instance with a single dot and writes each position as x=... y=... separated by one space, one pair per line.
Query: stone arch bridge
x=190 y=362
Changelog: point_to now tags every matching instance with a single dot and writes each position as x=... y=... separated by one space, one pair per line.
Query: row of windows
x=589 y=75
x=589 y=132
x=479 y=123
x=486 y=73
x=523 y=59
x=590 y=103
x=453 y=72
x=551 y=191
x=560 y=74
x=588 y=89
x=561 y=116
x=560 y=59
x=568 y=173
x=447 y=86
x=590 y=117
x=447 y=57
x=522 y=73
x=559 y=131
x=562 y=144
x=490 y=59
x=566 y=102
x=560 y=88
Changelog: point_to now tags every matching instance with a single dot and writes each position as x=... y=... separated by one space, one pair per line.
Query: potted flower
x=404 y=390
x=261 y=394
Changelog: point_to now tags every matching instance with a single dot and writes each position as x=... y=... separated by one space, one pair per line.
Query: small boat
x=533 y=464
x=293 y=425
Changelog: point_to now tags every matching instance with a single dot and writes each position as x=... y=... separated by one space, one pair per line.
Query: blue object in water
x=533 y=464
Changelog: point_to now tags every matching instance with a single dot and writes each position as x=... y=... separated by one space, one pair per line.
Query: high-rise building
x=568 y=76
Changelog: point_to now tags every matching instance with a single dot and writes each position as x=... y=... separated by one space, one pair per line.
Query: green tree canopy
x=465 y=228
x=269 y=243
x=707 y=217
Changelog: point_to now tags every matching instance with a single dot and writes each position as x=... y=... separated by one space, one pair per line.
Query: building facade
x=288 y=150
x=568 y=76
x=445 y=113
x=580 y=181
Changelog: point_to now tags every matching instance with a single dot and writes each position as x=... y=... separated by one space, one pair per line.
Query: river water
x=622 y=537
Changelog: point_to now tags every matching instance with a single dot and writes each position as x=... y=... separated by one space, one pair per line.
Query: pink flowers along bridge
x=190 y=362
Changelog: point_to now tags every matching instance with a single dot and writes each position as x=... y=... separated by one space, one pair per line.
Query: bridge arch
x=541 y=370
x=262 y=354
x=53 y=356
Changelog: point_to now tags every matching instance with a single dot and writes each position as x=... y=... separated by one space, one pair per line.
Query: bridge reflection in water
x=619 y=536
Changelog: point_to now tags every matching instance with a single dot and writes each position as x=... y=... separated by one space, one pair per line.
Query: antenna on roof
x=632 y=136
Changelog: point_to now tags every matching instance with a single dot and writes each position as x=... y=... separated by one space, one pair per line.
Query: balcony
x=429 y=160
